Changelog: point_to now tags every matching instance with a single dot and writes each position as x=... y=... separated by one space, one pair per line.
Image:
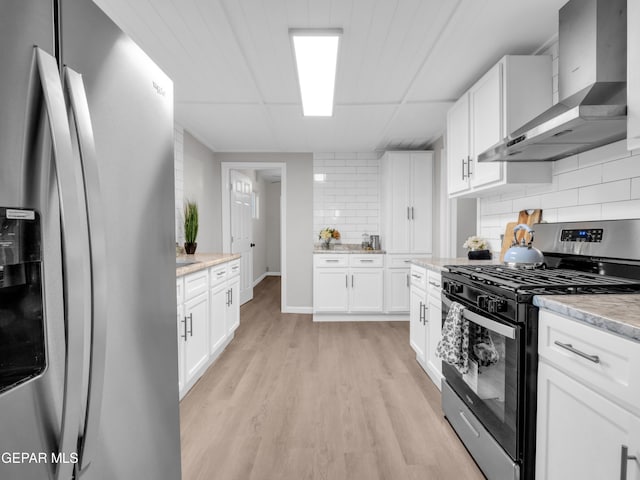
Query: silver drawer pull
x=624 y=458
x=473 y=430
x=366 y=261
x=329 y=260
x=419 y=277
x=434 y=284
x=568 y=346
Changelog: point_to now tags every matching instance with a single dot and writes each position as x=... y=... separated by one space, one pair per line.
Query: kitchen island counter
x=619 y=314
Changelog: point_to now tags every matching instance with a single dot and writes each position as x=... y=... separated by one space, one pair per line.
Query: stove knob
x=482 y=301
x=495 y=305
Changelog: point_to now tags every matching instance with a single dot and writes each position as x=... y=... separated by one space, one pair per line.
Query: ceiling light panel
x=316 y=54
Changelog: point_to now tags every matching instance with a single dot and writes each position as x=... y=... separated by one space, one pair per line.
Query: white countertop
x=202 y=261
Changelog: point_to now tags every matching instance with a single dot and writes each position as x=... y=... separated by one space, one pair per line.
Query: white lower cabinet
x=584 y=429
x=208 y=312
x=418 y=313
x=425 y=317
x=196 y=344
x=434 y=327
x=346 y=283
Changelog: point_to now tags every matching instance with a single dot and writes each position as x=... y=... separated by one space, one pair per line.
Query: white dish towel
x=453 y=348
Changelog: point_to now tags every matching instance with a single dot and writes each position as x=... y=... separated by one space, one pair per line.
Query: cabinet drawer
x=399 y=261
x=196 y=283
x=180 y=290
x=218 y=274
x=233 y=268
x=370 y=260
x=323 y=260
x=611 y=368
x=419 y=277
x=434 y=283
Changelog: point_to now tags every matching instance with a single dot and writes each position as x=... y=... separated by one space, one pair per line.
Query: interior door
x=242 y=230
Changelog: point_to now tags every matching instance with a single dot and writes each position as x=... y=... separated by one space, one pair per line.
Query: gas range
x=492 y=406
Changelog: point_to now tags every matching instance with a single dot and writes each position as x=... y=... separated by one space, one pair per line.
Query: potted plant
x=478 y=248
x=190 y=227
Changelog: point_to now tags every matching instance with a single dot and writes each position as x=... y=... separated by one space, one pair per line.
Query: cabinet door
x=400 y=211
x=633 y=74
x=397 y=290
x=330 y=292
x=458 y=145
x=217 y=322
x=487 y=120
x=367 y=290
x=580 y=434
x=422 y=202
x=182 y=338
x=434 y=327
x=196 y=314
x=417 y=327
x=233 y=310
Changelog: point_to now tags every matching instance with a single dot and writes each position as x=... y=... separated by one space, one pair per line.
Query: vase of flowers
x=328 y=234
x=478 y=248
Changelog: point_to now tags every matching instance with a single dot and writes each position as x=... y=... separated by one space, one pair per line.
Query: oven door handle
x=500 y=328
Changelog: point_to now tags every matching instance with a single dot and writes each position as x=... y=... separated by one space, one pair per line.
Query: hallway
x=291 y=399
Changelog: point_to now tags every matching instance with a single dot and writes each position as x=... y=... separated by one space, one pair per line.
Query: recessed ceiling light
x=316 y=54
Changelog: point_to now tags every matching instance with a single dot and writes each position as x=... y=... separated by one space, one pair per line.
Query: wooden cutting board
x=507 y=239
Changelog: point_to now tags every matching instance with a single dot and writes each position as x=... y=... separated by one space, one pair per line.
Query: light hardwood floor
x=290 y=399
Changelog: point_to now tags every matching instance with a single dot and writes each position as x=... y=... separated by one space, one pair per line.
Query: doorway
x=254 y=221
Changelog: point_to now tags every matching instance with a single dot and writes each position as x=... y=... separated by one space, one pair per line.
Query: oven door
x=490 y=388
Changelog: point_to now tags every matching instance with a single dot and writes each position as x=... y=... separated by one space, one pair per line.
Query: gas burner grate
x=543 y=279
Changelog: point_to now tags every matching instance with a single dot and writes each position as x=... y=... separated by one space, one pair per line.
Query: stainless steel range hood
x=592 y=76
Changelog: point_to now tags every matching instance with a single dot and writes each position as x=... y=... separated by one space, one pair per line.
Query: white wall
x=202 y=184
x=348 y=198
x=271 y=203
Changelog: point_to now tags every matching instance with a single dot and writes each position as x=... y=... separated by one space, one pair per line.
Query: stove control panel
x=593 y=235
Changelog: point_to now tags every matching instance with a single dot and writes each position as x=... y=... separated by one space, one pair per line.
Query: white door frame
x=226 y=168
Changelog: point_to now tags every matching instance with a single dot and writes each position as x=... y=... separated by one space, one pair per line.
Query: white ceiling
x=401 y=65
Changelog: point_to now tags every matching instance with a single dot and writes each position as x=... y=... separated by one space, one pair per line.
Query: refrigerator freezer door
x=131 y=106
x=39 y=419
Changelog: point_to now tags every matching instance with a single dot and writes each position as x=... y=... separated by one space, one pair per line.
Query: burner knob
x=482 y=301
x=453 y=287
x=495 y=305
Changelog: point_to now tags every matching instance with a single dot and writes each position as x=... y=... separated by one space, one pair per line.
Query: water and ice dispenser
x=22 y=331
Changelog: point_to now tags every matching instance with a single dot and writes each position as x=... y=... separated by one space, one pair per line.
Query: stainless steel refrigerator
x=88 y=350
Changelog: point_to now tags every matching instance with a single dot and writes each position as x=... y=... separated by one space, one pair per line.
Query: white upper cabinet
x=407 y=202
x=633 y=74
x=513 y=92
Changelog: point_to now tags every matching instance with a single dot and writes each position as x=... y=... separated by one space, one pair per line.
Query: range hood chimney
x=592 y=77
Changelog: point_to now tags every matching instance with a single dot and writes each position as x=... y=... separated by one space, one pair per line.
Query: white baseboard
x=302 y=310
x=265 y=275
x=356 y=317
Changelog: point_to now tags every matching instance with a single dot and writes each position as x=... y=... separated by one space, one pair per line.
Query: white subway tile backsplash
x=526 y=203
x=580 y=178
x=352 y=189
x=603 y=154
x=635 y=188
x=566 y=198
x=623 y=168
x=619 y=210
x=582 y=212
x=605 y=192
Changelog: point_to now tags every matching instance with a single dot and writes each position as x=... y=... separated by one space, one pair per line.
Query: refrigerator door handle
x=73 y=238
x=98 y=263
